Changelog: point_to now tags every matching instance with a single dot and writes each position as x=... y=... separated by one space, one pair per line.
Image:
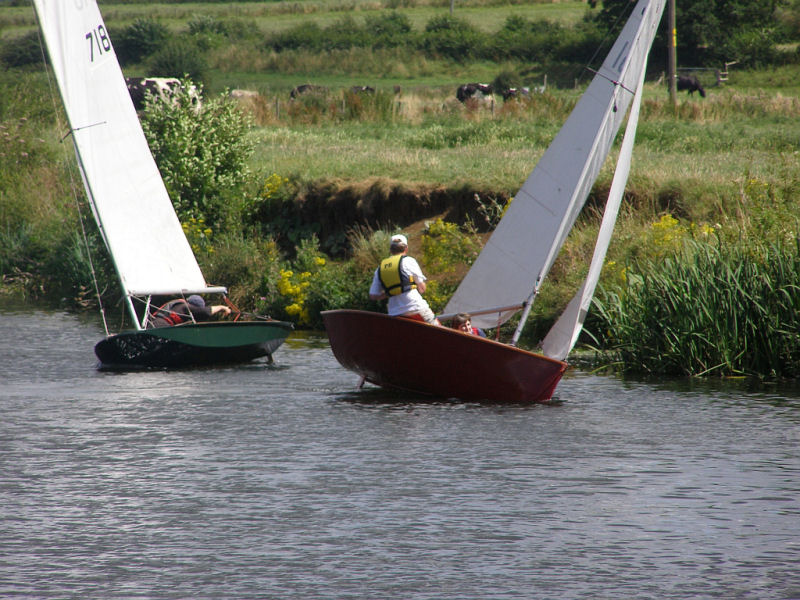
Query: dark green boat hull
x=191 y=345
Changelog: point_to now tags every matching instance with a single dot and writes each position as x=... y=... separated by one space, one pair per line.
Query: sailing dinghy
x=130 y=203
x=506 y=276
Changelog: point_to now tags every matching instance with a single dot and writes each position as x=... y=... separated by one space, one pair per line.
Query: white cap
x=399 y=239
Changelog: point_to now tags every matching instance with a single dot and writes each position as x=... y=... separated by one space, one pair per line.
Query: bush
x=22 y=51
x=202 y=154
x=344 y=34
x=306 y=35
x=179 y=58
x=139 y=40
x=251 y=266
x=208 y=32
x=448 y=37
x=73 y=266
x=388 y=30
x=445 y=247
x=313 y=284
x=447 y=253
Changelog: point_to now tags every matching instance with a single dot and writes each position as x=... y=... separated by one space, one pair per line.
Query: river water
x=283 y=481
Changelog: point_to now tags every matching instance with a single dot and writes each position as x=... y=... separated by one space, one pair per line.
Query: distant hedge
x=448 y=37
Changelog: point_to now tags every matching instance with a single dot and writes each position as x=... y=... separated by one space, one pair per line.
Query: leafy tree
x=202 y=153
x=710 y=31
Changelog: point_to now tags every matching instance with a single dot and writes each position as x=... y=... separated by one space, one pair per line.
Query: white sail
x=562 y=336
x=525 y=243
x=125 y=189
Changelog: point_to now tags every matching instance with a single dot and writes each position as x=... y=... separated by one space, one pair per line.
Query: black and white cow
x=163 y=88
x=307 y=88
x=510 y=93
x=691 y=84
x=362 y=89
x=478 y=91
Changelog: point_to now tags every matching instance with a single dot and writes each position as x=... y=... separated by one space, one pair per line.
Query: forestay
x=125 y=189
x=522 y=249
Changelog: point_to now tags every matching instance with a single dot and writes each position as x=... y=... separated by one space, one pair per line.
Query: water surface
x=284 y=481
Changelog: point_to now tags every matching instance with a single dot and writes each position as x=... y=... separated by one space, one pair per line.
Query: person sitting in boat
x=463 y=322
x=180 y=311
x=399 y=278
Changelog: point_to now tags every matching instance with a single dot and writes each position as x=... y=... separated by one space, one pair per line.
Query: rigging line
x=614 y=81
x=607 y=36
x=71 y=175
x=66 y=135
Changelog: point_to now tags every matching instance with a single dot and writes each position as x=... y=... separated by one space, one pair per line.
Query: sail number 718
x=98 y=38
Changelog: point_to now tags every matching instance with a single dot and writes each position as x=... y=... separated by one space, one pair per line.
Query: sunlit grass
x=705 y=152
x=272 y=17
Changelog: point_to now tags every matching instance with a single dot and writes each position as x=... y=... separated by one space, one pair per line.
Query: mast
x=672 y=42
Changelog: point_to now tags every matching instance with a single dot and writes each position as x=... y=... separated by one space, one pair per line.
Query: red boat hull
x=410 y=355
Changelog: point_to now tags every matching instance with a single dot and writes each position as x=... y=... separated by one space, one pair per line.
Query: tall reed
x=713 y=308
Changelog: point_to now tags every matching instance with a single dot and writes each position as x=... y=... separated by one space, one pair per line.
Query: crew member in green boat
x=179 y=311
x=400 y=279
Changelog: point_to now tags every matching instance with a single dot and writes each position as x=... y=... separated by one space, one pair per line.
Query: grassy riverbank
x=330 y=175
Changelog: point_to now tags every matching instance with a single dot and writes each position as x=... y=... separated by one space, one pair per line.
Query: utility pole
x=672 y=42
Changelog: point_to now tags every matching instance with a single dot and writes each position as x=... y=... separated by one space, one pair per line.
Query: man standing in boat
x=399 y=278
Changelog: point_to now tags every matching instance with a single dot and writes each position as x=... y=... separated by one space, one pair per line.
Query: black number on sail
x=99 y=38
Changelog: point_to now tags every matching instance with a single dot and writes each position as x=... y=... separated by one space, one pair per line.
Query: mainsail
x=125 y=189
x=524 y=245
x=562 y=336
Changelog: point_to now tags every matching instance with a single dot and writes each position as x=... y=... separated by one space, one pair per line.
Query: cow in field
x=691 y=84
x=478 y=91
x=511 y=93
x=307 y=88
x=163 y=88
x=243 y=94
x=362 y=89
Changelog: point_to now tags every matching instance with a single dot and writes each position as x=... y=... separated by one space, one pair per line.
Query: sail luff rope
x=71 y=174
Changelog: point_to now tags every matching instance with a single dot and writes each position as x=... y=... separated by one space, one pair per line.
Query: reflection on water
x=285 y=481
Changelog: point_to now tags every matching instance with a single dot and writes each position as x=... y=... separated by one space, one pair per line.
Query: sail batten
x=125 y=190
x=526 y=242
